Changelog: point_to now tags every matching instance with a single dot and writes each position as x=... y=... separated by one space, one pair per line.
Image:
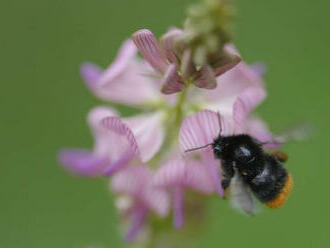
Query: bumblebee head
x=240 y=148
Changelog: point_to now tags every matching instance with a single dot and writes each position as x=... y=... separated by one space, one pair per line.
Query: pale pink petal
x=212 y=165
x=230 y=59
x=116 y=127
x=148 y=132
x=96 y=115
x=126 y=53
x=202 y=128
x=246 y=102
x=259 y=67
x=131 y=180
x=230 y=85
x=82 y=162
x=186 y=173
x=198 y=177
x=178 y=207
x=118 y=164
x=148 y=46
x=206 y=78
x=116 y=82
x=138 y=217
x=199 y=130
x=259 y=130
x=108 y=143
x=156 y=199
x=171 y=174
x=111 y=151
x=144 y=134
x=137 y=182
x=171 y=81
x=91 y=74
x=168 y=44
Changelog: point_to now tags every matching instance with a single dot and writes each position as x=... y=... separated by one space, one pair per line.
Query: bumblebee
x=247 y=169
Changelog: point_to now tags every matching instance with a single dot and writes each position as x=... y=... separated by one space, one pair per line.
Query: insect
x=247 y=170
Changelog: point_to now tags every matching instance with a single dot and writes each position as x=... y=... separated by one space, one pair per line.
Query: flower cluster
x=144 y=155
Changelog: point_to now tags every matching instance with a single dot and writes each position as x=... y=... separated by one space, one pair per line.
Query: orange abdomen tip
x=283 y=195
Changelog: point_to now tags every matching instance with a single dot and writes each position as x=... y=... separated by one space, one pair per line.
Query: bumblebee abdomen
x=283 y=195
x=270 y=181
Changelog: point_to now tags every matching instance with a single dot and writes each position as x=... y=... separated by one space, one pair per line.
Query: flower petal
x=168 y=44
x=82 y=162
x=157 y=200
x=110 y=144
x=96 y=115
x=148 y=46
x=171 y=82
x=198 y=177
x=246 y=102
x=137 y=182
x=117 y=127
x=118 y=164
x=139 y=215
x=91 y=74
x=202 y=128
x=116 y=82
x=144 y=134
x=171 y=174
x=229 y=59
x=231 y=85
x=206 y=78
x=178 y=207
x=212 y=165
x=258 y=130
x=186 y=173
x=260 y=68
x=148 y=132
x=126 y=53
x=131 y=180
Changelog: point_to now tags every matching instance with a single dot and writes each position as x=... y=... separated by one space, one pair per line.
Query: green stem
x=174 y=118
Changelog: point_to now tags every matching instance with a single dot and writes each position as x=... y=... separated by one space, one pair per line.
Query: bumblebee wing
x=240 y=196
x=299 y=133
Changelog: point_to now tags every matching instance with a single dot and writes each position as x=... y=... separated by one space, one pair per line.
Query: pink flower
x=178 y=174
x=124 y=147
x=136 y=183
x=117 y=142
x=128 y=80
x=174 y=63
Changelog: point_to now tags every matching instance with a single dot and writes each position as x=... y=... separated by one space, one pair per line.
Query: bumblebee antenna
x=201 y=147
x=197 y=148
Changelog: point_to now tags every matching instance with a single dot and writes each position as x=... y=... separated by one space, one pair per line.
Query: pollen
x=283 y=195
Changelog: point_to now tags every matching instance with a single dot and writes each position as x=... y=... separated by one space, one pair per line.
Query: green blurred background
x=44 y=103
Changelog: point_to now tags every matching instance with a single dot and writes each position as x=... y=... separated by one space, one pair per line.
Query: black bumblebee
x=246 y=168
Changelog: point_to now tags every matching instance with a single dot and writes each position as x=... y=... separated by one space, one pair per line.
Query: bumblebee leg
x=281 y=156
x=225 y=183
x=227 y=174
